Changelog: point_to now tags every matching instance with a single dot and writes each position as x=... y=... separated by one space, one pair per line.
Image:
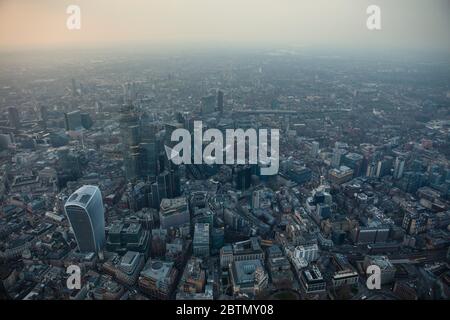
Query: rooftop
x=82 y=195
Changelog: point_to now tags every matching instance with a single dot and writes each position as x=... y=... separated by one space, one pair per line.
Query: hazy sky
x=405 y=23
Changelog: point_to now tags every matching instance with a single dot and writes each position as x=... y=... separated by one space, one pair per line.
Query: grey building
x=86 y=215
x=201 y=240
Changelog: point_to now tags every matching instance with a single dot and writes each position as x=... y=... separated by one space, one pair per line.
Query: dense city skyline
x=220 y=159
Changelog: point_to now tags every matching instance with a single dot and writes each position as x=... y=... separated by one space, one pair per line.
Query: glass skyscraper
x=86 y=215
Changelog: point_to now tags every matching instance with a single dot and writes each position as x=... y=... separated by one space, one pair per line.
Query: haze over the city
x=406 y=24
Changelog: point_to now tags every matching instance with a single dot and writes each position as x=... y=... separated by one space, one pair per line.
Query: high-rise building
x=175 y=182
x=149 y=158
x=355 y=162
x=243 y=177
x=86 y=215
x=384 y=167
x=86 y=120
x=337 y=157
x=73 y=120
x=201 y=240
x=399 y=167
x=130 y=132
x=208 y=104
x=323 y=211
x=156 y=195
x=371 y=170
x=167 y=185
x=314 y=148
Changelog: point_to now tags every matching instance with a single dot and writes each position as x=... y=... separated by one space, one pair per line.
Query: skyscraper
x=243 y=176
x=86 y=120
x=85 y=212
x=73 y=120
x=355 y=162
x=337 y=157
x=314 y=148
x=201 y=240
x=399 y=167
x=130 y=132
x=149 y=158
x=384 y=167
x=208 y=104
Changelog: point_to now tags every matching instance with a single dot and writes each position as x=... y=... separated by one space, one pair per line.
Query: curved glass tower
x=86 y=215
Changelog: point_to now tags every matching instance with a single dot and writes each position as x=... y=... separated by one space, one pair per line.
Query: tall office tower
x=133 y=163
x=337 y=157
x=208 y=104
x=155 y=196
x=201 y=242
x=149 y=128
x=14 y=117
x=73 y=120
x=86 y=120
x=243 y=177
x=314 y=148
x=220 y=101
x=149 y=158
x=371 y=170
x=86 y=215
x=130 y=132
x=382 y=168
x=165 y=184
x=355 y=162
x=175 y=182
x=399 y=167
